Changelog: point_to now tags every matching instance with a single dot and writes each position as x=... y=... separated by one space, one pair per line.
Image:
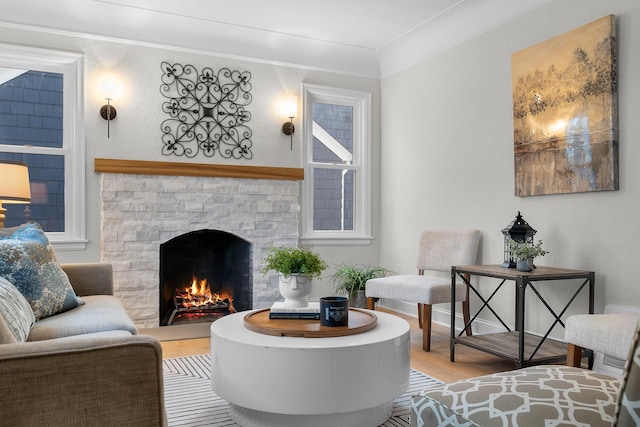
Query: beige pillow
x=16 y=316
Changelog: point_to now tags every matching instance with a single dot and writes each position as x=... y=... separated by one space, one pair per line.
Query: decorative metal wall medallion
x=206 y=112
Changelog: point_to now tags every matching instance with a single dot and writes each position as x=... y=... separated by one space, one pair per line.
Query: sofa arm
x=90 y=278
x=109 y=378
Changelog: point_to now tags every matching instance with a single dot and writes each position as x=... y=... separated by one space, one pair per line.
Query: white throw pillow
x=16 y=316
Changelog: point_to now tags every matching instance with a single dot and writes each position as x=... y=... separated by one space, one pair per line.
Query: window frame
x=360 y=101
x=71 y=66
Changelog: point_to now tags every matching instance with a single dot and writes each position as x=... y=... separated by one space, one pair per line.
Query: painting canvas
x=565 y=112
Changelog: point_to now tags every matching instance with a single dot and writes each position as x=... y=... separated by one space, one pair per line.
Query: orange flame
x=198 y=294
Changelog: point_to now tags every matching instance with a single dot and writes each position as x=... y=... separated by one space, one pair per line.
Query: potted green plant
x=525 y=253
x=295 y=267
x=351 y=280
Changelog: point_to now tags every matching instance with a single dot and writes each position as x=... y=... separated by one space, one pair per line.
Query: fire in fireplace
x=197 y=301
x=204 y=275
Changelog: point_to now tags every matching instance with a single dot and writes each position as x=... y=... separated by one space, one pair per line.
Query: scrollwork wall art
x=207 y=112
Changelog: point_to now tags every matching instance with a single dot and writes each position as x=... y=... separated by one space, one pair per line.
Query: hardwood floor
x=469 y=362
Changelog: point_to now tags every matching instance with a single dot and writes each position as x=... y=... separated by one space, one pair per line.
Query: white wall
x=447 y=157
x=135 y=134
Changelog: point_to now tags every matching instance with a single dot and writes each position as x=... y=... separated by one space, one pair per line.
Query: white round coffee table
x=290 y=381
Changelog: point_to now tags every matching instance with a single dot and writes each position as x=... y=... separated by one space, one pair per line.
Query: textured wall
x=449 y=162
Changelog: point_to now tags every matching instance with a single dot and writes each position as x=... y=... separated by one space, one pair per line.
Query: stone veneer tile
x=139 y=212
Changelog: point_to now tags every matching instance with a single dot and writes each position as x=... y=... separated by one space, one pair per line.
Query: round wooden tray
x=359 y=321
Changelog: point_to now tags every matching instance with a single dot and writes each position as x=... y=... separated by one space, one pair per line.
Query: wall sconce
x=109 y=89
x=14 y=185
x=108 y=112
x=289 y=109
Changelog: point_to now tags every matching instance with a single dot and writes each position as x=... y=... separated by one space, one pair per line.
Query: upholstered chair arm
x=610 y=334
x=107 y=378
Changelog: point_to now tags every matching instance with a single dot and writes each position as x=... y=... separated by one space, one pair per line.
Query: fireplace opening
x=204 y=275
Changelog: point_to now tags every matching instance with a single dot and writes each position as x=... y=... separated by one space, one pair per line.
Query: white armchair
x=437 y=252
x=609 y=334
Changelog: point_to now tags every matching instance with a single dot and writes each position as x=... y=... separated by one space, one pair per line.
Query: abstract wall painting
x=565 y=116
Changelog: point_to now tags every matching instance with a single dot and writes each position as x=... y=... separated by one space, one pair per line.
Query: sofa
x=85 y=364
x=549 y=395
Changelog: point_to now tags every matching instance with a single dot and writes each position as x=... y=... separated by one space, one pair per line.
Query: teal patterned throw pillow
x=28 y=261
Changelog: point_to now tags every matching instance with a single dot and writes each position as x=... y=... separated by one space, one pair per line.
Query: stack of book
x=280 y=311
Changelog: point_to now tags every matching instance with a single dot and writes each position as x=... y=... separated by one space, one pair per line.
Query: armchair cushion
x=540 y=395
x=28 y=261
x=16 y=317
x=415 y=288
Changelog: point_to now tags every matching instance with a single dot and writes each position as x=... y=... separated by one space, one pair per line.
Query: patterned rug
x=191 y=402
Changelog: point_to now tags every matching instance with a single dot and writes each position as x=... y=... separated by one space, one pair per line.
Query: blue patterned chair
x=550 y=395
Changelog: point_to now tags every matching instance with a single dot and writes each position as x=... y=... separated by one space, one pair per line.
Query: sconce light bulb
x=289 y=107
x=108 y=86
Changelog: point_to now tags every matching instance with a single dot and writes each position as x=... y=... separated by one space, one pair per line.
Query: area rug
x=191 y=402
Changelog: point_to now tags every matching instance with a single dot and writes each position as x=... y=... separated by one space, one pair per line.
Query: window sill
x=69 y=245
x=336 y=241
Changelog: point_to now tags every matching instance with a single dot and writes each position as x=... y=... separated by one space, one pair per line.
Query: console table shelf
x=515 y=344
x=506 y=345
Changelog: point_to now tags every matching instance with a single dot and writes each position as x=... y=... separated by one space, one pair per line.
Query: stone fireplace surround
x=145 y=204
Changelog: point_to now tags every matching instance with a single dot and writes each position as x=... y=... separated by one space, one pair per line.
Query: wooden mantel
x=143 y=167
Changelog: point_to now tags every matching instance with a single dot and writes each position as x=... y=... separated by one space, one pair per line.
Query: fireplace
x=261 y=211
x=204 y=275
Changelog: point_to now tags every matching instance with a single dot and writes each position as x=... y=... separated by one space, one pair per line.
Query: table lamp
x=14 y=185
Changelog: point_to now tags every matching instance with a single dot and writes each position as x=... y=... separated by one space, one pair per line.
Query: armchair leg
x=420 y=315
x=426 y=327
x=574 y=355
x=371 y=303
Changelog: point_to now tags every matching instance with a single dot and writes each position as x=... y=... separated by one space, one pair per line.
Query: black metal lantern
x=520 y=231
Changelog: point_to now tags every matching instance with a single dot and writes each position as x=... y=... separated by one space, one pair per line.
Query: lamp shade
x=14 y=182
x=289 y=106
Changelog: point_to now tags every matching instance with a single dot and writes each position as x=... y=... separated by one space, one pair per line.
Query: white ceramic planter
x=295 y=289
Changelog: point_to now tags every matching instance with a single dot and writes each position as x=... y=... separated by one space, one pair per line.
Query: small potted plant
x=351 y=280
x=525 y=253
x=295 y=267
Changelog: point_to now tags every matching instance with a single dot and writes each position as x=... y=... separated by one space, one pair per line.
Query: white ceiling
x=365 y=37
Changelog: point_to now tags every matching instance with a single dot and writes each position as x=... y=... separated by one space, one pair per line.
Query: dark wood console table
x=515 y=344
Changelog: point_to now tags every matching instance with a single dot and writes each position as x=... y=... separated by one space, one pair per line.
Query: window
x=336 y=144
x=41 y=124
